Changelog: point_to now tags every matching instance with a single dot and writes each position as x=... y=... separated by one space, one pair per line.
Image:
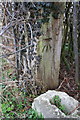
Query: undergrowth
x=16 y=104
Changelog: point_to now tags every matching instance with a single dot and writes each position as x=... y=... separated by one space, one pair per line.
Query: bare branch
x=3 y=56
x=11 y=25
x=7 y=48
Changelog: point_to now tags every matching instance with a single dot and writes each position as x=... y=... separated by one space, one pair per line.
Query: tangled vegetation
x=16 y=104
x=17 y=91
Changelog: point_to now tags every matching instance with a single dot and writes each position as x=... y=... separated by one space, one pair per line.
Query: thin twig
x=5 y=55
x=10 y=62
x=74 y=109
x=11 y=24
x=61 y=84
x=3 y=46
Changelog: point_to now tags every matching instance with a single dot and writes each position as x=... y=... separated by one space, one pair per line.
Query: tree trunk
x=50 y=43
x=75 y=42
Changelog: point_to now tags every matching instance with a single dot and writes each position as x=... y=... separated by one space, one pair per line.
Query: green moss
x=57 y=101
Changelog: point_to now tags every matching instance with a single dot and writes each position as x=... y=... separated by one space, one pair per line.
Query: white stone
x=42 y=104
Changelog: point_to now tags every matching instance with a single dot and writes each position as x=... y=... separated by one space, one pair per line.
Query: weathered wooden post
x=50 y=49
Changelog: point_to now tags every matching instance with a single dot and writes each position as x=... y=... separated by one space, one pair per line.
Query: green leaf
x=9 y=109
